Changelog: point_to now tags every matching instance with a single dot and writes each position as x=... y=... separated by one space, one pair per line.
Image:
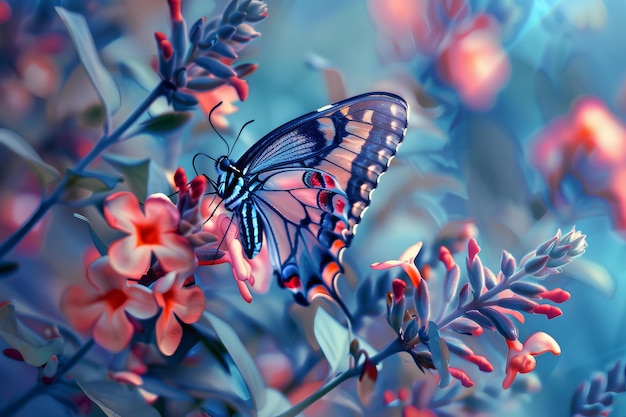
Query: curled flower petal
x=406 y=261
x=520 y=358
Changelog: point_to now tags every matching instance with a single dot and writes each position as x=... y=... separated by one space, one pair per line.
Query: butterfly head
x=227 y=173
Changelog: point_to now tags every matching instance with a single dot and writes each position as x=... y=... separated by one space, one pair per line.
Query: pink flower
x=521 y=357
x=178 y=302
x=589 y=144
x=406 y=261
x=155 y=232
x=475 y=63
x=245 y=270
x=102 y=306
x=409 y=26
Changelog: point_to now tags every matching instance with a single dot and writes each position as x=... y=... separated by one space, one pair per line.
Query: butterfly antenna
x=214 y=210
x=239 y=134
x=223 y=237
x=215 y=129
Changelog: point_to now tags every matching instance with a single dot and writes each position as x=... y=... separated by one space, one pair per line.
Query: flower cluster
x=487 y=301
x=201 y=59
x=150 y=269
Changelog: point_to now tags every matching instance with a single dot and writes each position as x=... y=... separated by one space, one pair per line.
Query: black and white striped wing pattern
x=311 y=181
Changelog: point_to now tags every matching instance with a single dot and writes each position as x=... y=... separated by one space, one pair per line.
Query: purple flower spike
x=422 y=302
x=476 y=275
x=507 y=264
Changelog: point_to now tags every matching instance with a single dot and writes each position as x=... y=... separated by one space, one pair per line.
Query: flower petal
x=168 y=332
x=141 y=303
x=129 y=259
x=190 y=304
x=121 y=211
x=165 y=283
x=78 y=305
x=103 y=277
x=541 y=342
x=175 y=253
x=113 y=331
x=386 y=264
x=411 y=252
x=161 y=212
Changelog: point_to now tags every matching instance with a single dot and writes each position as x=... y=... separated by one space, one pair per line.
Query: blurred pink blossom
x=474 y=62
x=103 y=304
x=409 y=26
x=521 y=356
x=589 y=144
x=155 y=232
x=178 y=302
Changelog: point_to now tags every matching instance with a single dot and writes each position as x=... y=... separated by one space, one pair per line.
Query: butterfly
x=306 y=185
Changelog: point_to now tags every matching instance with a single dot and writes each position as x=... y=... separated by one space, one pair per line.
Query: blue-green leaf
x=45 y=172
x=276 y=404
x=91 y=180
x=34 y=348
x=441 y=356
x=142 y=176
x=244 y=362
x=334 y=340
x=117 y=400
x=102 y=81
x=164 y=123
x=95 y=238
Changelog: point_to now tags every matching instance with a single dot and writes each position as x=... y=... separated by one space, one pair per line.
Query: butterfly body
x=306 y=185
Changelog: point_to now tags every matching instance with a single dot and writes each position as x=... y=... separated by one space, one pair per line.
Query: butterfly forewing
x=312 y=180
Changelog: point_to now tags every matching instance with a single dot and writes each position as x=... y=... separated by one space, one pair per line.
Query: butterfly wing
x=313 y=180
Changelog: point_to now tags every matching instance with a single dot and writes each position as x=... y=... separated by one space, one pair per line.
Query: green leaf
x=441 y=356
x=276 y=404
x=91 y=180
x=334 y=340
x=34 y=349
x=102 y=81
x=164 y=123
x=45 y=172
x=95 y=238
x=242 y=359
x=142 y=176
x=117 y=400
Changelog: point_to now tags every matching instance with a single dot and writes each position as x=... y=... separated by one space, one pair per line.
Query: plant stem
x=394 y=347
x=40 y=388
x=52 y=198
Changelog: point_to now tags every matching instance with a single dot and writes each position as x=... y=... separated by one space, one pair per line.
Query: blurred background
x=516 y=130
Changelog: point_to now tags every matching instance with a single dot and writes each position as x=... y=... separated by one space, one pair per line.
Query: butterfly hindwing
x=311 y=181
